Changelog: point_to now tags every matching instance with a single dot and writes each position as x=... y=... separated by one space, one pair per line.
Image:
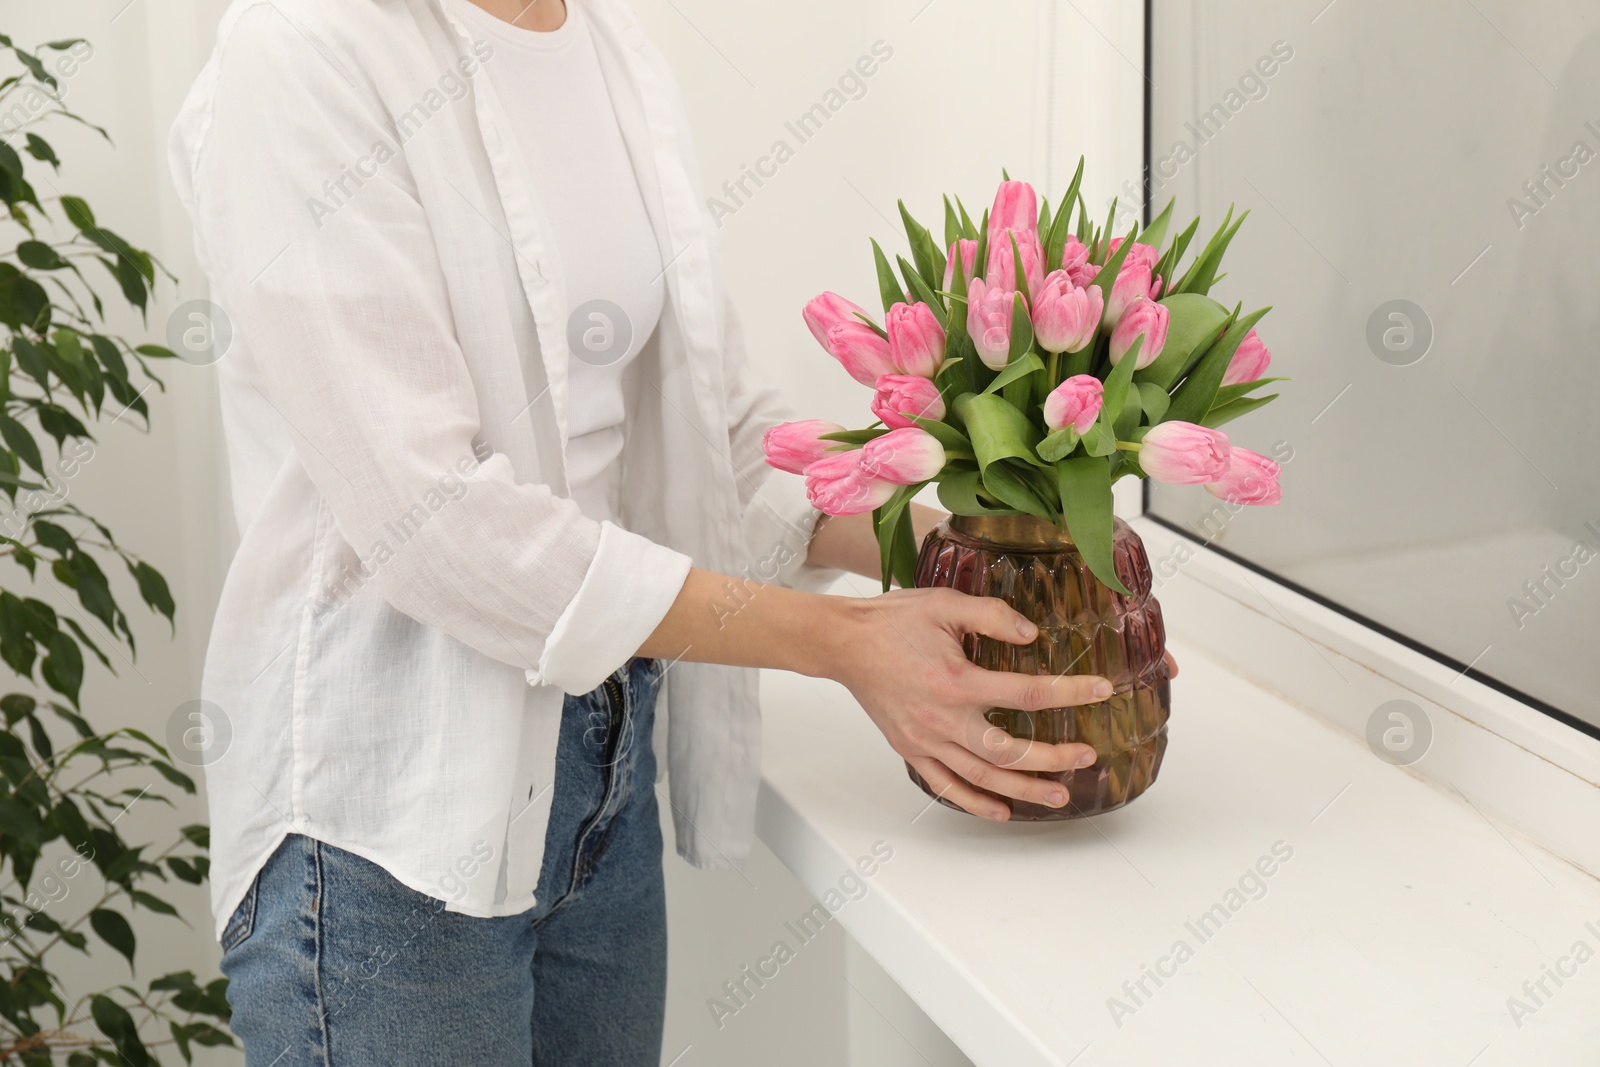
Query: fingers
x=991 y=617
x=996 y=746
x=1172 y=664
x=1036 y=692
x=947 y=786
x=982 y=774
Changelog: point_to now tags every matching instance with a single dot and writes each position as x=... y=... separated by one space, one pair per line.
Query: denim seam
x=317 y=903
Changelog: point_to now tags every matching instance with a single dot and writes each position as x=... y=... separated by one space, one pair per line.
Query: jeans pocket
x=243 y=922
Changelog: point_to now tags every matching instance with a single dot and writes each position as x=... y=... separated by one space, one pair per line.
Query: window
x=1424 y=188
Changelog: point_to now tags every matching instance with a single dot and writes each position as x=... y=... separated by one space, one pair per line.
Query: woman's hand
x=901 y=656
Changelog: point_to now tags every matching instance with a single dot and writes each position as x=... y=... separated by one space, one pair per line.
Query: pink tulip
x=864 y=354
x=1139 y=253
x=1181 y=453
x=1133 y=283
x=1251 y=479
x=1249 y=362
x=1016 y=207
x=1002 y=261
x=916 y=340
x=968 y=250
x=836 y=485
x=1075 y=261
x=901 y=394
x=825 y=312
x=794 y=446
x=1144 y=318
x=1075 y=402
x=1065 y=317
x=904 y=457
x=989 y=322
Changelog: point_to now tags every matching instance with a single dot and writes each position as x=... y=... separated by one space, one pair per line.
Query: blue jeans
x=331 y=962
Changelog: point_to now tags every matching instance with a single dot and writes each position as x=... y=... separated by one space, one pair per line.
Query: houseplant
x=70 y=876
x=1025 y=368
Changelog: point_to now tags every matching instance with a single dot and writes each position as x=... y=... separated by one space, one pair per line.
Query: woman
x=497 y=471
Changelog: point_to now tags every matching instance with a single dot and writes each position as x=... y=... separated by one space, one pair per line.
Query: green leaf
x=1058 y=444
x=115 y=1022
x=1022 y=275
x=1009 y=486
x=63 y=667
x=113 y=930
x=1108 y=273
x=153 y=903
x=958 y=492
x=1086 y=505
x=1229 y=393
x=1117 y=382
x=924 y=251
x=1225 y=413
x=153 y=588
x=40 y=256
x=1202 y=274
x=854 y=437
x=950 y=438
x=1194 y=397
x=1127 y=416
x=888 y=286
x=1153 y=399
x=20 y=441
x=952 y=224
x=1195 y=322
x=1061 y=226
x=919 y=289
x=1018 y=368
x=1168 y=264
x=1099 y=441
x=997 y=430
x=1156 y=232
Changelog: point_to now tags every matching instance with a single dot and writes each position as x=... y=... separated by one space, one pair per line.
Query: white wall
x=971 y=87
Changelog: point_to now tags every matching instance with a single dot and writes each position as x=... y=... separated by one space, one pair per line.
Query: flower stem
x=1129 y=446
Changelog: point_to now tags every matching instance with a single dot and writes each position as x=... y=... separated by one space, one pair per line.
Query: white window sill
x=1395 y=934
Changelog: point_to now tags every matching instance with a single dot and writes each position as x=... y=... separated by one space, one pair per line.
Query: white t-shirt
x=555 y=96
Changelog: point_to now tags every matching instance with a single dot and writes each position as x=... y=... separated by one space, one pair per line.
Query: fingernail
x=1086 y=759
x=1102 y=690
x=1026 y=628
x=999 y=815
x=1055 y=800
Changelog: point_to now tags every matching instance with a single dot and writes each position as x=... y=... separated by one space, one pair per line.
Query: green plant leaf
x=1086 y=505
x=1194 y=322
x=1019 y=368
x=888 y=286
x=114 y=930
x=958 y=493
x=1108 y=273
x=1061 y=226
x=1154 y=401
x=1202 y=274
x=950 y=438
x=1009 y=486
x=1192 y=400
x=997 y=430
x=1226 y=413
x=1156 y=232
x=1229 y=393
x=114 y=1021
x=1117 y=382
x=1099 y=441
x=1058 y=444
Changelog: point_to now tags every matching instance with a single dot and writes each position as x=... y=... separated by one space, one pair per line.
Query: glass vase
x=1084 y=628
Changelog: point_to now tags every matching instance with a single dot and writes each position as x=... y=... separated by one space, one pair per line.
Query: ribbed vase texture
x=1084 y=628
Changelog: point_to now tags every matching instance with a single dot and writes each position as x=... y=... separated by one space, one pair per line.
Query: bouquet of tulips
x=1027 y=368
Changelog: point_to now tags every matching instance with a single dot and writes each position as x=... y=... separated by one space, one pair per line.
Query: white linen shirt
x=413 y=591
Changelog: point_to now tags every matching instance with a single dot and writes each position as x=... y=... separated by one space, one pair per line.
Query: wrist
x=833 y=636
